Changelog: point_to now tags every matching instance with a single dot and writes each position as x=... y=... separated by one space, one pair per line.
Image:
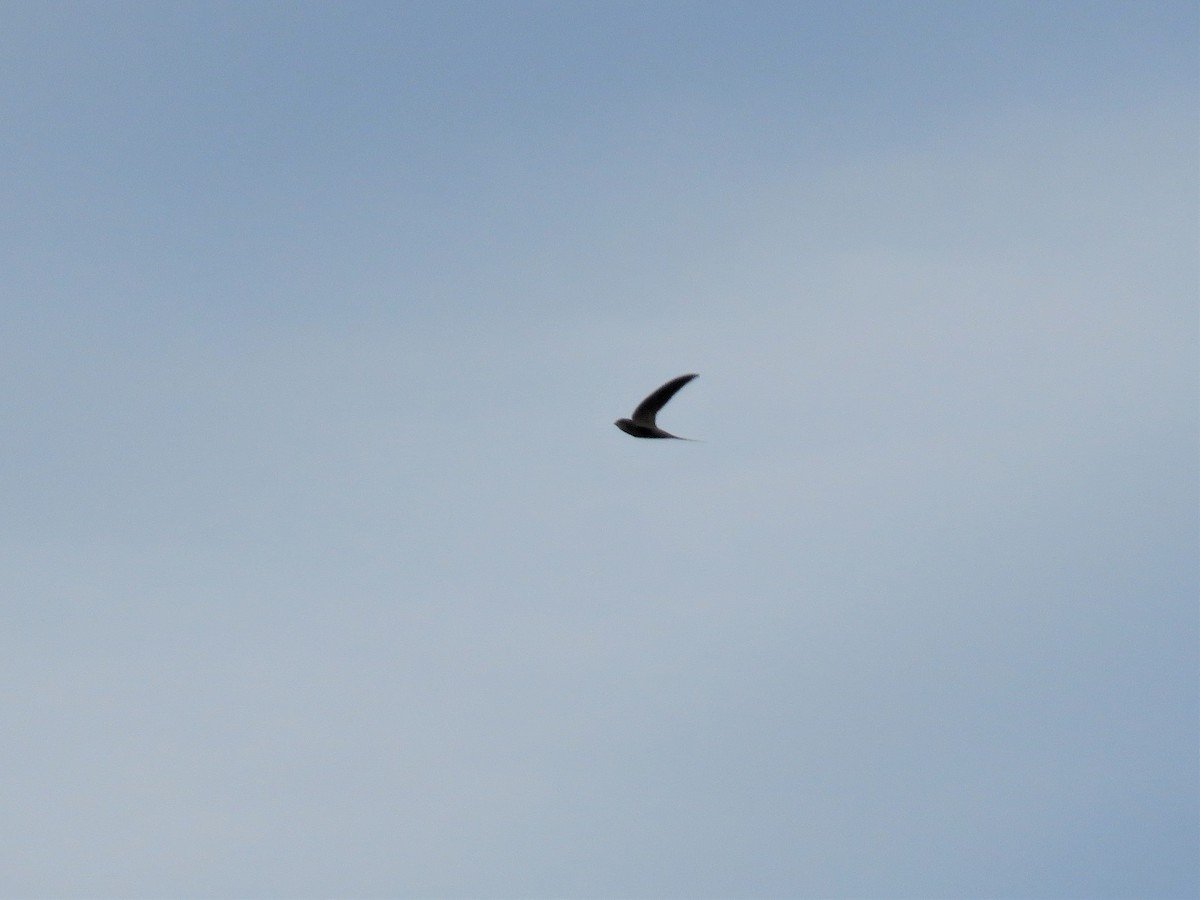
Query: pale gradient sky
x=324 y=573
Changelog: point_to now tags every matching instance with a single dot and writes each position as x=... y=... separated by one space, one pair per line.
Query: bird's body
x=643 y=431
x=641 y=424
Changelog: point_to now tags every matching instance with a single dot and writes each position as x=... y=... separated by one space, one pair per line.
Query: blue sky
x=324 y=572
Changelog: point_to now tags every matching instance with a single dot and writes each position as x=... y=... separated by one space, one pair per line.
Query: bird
x=641 y=424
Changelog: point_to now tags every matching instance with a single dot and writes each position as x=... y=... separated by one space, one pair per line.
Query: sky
x=324 y=573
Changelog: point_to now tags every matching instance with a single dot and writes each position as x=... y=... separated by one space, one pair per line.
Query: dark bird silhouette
x=641 y=424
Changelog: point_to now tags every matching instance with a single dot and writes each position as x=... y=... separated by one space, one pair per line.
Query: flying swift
x=641 y=424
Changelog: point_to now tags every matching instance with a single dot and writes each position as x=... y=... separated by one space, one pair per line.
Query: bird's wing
x=648 y=408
